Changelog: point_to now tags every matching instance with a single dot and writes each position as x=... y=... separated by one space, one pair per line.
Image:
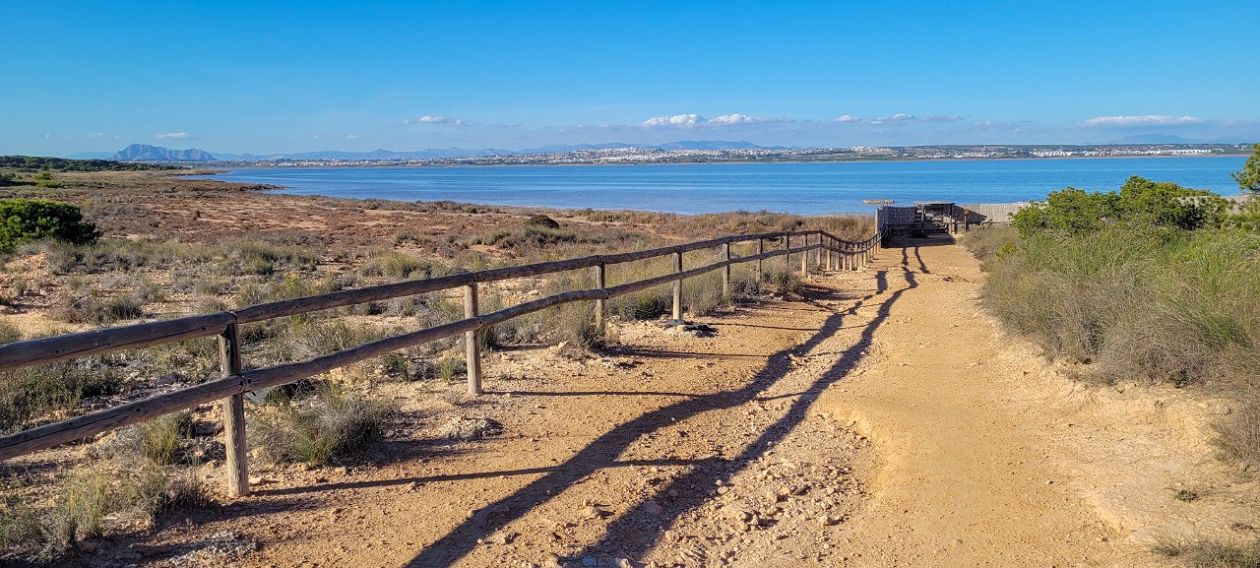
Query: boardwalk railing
x=833 y=253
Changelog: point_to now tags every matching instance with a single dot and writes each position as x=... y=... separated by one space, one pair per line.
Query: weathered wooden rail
x=826 y=251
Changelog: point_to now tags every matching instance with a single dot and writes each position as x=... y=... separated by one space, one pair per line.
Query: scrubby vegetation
x=1154 y=281
x=1214 y=554
x=154 y=259
x=36 y=163
x=25 y=220
x=126 y=488
x=325 y=425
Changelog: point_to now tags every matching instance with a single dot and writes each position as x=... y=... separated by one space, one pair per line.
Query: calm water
x=701 y=188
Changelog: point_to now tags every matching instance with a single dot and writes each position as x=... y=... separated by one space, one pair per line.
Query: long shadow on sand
x=628 y=530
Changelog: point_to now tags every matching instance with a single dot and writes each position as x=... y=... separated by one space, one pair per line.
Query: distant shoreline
x=690 y=188
x=224 y=167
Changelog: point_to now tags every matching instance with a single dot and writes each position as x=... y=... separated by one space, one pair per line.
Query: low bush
x=398 y=266
x=160 y=441
x=9 y=333
x=1150 y=282
x=95 y=501
x=541 y=222
x=32 y=393
x=1240 y=431
x=327 y=426
x=25 y=220
x=986 y=242
x=100 y=308
x=1210 y=554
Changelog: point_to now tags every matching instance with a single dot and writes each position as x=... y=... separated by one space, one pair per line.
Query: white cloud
x=95 y=135
x=352 y=137
x=434 y=119
x=173 y=136
x=899 y=117
x=691 y=120
x=1141 y=120
x=685 y=120
x=735 y=118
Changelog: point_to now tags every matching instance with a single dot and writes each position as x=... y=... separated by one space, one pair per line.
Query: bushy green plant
x=24 y=220
x=1139 y=203
x=1248 y=177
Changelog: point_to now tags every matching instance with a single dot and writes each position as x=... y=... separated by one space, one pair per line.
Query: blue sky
x=243 y=77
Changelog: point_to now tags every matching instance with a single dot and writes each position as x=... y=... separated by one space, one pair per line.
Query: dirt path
x=964 y=478
x=884 y=421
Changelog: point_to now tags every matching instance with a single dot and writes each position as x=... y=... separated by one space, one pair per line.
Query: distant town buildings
x=651 y=155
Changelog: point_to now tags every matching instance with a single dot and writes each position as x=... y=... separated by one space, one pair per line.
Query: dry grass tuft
x=1208 y=554
x=327 y=426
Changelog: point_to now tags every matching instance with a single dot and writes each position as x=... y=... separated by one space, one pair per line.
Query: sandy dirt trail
x=884 y=420
x=964 y=477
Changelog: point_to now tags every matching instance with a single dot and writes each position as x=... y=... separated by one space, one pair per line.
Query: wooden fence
x=832 y=253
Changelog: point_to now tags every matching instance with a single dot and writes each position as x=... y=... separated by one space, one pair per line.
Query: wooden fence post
x=818 y=253
x=787 y=258
x=677 y=311
x=761 y=249
x=472 y=347
x=599 y=302
x=726 y=272
x=805 y=258
x=234 y=416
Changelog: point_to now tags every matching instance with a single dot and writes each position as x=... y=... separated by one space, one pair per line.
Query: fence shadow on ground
x=628 y=530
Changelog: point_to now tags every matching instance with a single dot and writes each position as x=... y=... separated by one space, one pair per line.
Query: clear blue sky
x=233 y=76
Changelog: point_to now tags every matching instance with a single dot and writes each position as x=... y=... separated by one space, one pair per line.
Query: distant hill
x=147 y=153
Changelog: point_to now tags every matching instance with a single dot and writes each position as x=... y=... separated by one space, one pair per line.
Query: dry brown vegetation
x=174 y=247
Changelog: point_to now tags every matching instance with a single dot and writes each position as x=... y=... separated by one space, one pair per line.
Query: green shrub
x=24 y=220
x=1139 y=203
x=1248 y=177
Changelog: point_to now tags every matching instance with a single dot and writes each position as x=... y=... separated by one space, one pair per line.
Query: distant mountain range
x=147 y=153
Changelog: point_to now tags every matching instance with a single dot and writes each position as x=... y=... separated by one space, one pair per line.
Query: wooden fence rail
x=235 y=382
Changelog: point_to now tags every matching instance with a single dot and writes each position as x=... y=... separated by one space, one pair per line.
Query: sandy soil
x=883 y=420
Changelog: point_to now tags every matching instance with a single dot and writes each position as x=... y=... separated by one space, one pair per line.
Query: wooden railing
x=832 y=253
